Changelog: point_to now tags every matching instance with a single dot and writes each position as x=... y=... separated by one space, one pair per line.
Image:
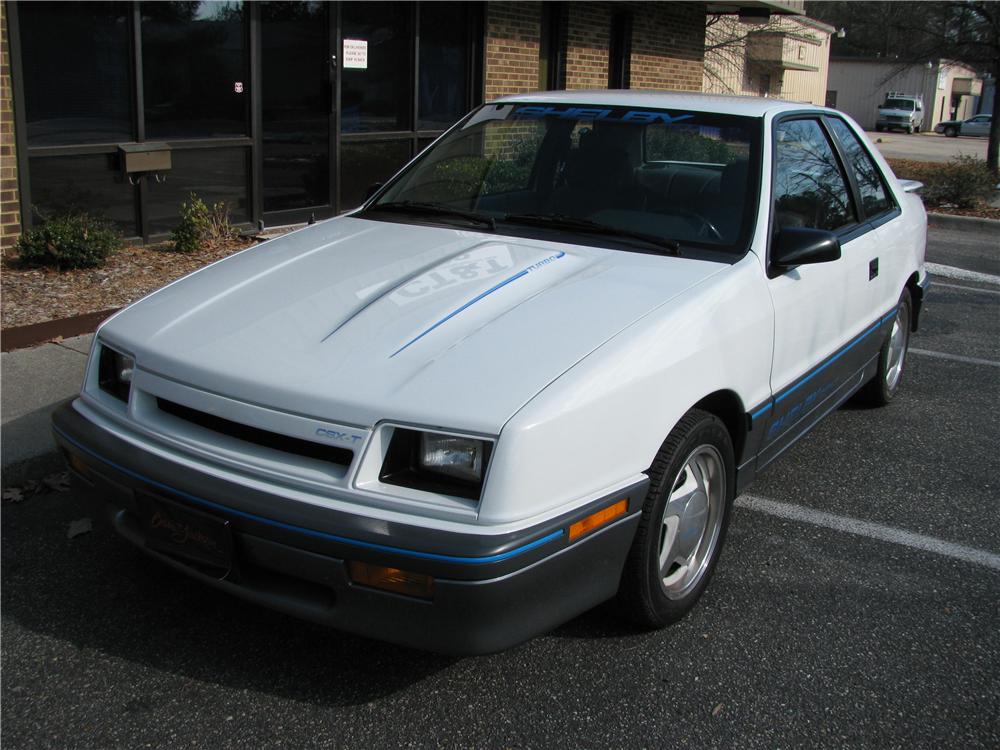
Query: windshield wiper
x=433 y=209
x=560 y=221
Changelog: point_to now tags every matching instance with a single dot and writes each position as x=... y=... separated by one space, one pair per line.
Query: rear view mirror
x=797 y=246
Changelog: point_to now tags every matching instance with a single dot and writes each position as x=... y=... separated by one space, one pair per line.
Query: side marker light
x=598 y=519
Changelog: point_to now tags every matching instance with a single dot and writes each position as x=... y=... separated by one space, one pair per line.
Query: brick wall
x=588 y=27
x=512 y=43
x=10 y=215
x=668 y=46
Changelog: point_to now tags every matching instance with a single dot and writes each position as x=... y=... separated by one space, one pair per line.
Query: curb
x=953 y=221
x=21 y=337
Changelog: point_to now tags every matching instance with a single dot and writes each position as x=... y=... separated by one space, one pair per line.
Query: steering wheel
x=707 y=227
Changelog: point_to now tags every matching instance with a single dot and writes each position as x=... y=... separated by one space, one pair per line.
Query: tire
x=879 y=128
x=951 y=131
x=882 y=388
x=909 y=130
x=684 y=520
x=916 y=128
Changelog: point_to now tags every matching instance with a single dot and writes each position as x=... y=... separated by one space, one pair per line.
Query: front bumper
x=490 y=591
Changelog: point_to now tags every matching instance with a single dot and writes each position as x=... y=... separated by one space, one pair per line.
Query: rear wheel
x=881 y=389
x=684 y=521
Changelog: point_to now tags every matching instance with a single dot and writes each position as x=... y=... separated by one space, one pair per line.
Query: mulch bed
x=34 y=295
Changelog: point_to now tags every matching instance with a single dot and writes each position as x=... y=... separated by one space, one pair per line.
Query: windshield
x=906 y=104
x=684 y=177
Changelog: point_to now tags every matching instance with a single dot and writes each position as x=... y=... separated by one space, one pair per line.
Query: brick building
x=289 y=111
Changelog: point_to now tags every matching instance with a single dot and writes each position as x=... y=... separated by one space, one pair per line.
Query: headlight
x=436 y=462
x=458 y=457
x=114 y=372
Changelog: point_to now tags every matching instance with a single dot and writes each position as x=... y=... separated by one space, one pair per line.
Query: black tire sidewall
x=883 y=359
x=707 y=430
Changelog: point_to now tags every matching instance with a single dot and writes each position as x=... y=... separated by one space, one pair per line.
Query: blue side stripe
x=470 y=303
x=312 y=532
x=760 y=411
x=875 y=326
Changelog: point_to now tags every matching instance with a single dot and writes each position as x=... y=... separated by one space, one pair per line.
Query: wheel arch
x=728 y=407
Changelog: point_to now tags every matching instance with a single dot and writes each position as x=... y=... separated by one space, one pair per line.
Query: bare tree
x=963 y=31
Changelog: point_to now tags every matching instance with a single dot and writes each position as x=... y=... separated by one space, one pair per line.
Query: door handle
x=872 y=268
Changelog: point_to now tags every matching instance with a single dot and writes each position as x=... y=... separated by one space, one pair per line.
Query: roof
x=747 y=106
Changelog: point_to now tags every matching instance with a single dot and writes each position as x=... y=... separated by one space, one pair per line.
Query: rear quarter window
x=871 y=185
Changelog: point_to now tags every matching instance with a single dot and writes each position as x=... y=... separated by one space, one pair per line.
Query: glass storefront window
x=89 y=183
x=375 y=94
x=443 y=95
x=296 y=82
x=214 y=174
x=364 y=163
x=195 y=69
x=76 y=70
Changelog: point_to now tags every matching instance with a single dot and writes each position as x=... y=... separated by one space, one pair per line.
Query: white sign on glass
x=356 y=54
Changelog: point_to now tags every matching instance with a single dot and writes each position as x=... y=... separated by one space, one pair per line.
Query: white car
x=530 y=373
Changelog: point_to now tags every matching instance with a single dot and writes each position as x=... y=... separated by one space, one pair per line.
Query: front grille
x=257 y=436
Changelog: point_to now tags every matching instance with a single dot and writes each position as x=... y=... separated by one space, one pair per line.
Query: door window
x=296 y=97
x=809 y=187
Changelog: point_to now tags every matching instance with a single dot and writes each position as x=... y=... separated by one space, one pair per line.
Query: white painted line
x=965 y=288
x=870 y=530
x=952 y=272
x=954 y=357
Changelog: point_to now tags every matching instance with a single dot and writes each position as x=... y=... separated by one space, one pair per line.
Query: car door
x=825 y=330
x=979 y=125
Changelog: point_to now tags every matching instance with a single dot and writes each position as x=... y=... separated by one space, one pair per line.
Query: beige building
x=786 y=57
x=857 y=86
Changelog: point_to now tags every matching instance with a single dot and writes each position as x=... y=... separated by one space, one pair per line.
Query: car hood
x=356 y=321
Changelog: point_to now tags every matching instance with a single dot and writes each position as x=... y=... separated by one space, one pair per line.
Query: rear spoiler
x=911 y=186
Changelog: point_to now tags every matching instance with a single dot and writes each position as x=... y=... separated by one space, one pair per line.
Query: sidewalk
x=33 y=382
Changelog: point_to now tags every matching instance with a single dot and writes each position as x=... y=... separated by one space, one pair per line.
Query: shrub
x=965 y=181
x=70 y=241
x=202 y=225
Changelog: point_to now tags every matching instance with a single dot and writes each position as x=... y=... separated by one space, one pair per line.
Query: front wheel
x=951 y=132
x=881 y=389
x=683 y=524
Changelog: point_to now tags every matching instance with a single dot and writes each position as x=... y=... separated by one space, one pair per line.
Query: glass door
x=298 y=77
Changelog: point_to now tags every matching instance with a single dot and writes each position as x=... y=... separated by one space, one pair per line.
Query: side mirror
x=797 y=246
x=372 y=189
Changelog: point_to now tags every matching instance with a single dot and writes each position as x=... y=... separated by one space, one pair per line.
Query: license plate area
x=196 y=538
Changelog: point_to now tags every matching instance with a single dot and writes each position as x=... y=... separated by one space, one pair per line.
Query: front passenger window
x=809 y=187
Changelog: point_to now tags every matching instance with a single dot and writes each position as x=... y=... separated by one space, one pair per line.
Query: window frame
x=844 y=234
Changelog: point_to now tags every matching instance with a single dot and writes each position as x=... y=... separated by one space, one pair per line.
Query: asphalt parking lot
x=857 y=604
x=927 y=146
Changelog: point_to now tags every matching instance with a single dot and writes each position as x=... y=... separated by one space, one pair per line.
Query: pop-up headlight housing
x=114 y=372
x=436 y=462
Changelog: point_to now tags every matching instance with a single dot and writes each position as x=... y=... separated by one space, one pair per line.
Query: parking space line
x=938 y=284
x=952 y=272
x=870 y=530
x=954 y=357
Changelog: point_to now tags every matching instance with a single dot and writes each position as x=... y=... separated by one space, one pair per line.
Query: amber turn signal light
x=392 y=579
x=598 y=519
